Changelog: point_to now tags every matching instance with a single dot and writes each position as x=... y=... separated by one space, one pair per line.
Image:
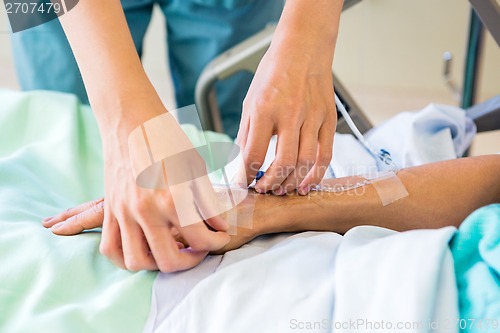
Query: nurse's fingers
x=50 y=221
x=255 y=148
x=308 y=150
x=91 y=218
x=284 y=163
x=205 y=199
x=111 y=241
x=241 y=137
x=167 y=252
x=136 y=253
x=200 y=238
x=323 y=160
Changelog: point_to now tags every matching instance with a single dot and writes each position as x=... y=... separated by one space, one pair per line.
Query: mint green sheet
x=50 y=160
x=476 y=252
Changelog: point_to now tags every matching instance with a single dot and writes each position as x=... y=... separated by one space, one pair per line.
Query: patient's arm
x=441 y=194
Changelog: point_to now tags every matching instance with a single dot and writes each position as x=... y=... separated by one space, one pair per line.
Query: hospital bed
x=51 y=159
x=484 y=14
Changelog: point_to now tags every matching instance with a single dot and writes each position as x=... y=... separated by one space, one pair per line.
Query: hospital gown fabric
x=435 y=133
x=476 y=251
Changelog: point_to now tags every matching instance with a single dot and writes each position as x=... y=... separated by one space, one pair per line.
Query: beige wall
x=399 y=44
x=389 y=54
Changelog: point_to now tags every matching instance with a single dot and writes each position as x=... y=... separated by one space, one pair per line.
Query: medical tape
x=162 y=156
x=338 y=185
x=237 y=211
x=389 y=187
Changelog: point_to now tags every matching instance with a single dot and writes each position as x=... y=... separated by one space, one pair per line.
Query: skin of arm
x=440 y=194
x=291 y=95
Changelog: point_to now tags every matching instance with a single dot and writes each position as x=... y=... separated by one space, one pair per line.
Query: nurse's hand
x=292 y=96
x=139 y=224
x=254 y=210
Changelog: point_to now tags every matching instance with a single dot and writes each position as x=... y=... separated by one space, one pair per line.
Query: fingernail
x=304 y=190
x=279 y=191
x=47 y=219
x=57 y=226
x=259 y=190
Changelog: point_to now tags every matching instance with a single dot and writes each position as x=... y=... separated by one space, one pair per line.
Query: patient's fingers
x=88 y=219
x=50 y=221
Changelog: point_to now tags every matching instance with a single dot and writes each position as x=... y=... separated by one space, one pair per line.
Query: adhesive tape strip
x=389 y=188
x=229 y=199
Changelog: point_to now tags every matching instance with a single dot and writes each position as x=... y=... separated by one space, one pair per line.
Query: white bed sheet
x=316 y=280
x=282 y=283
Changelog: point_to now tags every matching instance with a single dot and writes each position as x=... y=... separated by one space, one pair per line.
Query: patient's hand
x=258 y=214
x=75 y=220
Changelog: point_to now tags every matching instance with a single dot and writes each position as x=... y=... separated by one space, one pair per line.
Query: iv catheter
x=381 y=154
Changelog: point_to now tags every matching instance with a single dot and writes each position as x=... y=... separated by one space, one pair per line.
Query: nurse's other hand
x=254 y=212
x=291 y=95
x=139 y=224
x=90 y=215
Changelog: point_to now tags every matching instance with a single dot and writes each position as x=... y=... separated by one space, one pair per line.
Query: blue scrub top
x=229 y=4
x=198 y=31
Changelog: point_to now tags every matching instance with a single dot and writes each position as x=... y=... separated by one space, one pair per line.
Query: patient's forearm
x=440 y=194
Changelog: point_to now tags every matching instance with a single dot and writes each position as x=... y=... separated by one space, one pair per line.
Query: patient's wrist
x=274 y=214
x=320 y=211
